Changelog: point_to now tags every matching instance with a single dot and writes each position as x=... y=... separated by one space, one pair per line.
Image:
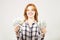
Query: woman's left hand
x=43 y=30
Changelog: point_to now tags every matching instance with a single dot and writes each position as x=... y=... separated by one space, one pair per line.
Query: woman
x=30 y=30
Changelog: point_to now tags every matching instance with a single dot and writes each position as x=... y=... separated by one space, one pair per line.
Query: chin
x=30 y=16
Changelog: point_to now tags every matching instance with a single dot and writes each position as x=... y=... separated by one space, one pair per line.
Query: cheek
x=27 y=13
x=34 y=13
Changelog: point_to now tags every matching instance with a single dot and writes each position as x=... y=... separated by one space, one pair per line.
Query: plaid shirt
x=29 y=33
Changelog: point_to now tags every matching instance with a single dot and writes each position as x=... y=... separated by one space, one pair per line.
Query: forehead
x=30 y=7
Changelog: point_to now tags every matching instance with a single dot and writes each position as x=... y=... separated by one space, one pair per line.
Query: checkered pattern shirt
x=29 y=33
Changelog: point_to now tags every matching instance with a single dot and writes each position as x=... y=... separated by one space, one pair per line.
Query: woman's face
x=30 y=11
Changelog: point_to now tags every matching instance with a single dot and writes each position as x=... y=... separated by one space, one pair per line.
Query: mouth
x=30 y=14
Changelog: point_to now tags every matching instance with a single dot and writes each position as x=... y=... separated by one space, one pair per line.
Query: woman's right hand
x=16 y=28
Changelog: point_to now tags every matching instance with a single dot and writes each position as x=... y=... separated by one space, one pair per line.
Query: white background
x=11 y=10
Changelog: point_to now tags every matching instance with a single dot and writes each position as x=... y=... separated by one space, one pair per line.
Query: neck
x=31 y=19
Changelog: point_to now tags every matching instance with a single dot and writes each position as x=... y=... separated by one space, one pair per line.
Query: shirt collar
x=32 y=23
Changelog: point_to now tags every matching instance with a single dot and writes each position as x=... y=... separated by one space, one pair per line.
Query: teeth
x=30 y=13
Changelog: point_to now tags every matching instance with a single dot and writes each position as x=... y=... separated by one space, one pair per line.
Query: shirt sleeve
x=42 y=24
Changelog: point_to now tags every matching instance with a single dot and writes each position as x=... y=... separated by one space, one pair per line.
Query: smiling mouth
x=30 y=14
